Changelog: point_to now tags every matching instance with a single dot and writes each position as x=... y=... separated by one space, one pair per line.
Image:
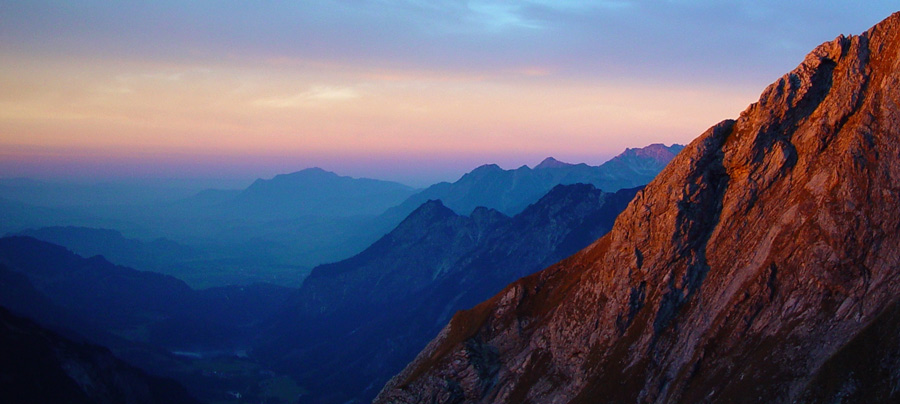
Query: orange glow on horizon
x=141 y=110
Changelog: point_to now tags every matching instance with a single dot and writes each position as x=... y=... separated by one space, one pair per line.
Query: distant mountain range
x=510 y=191
x=159 y=255
x=316 y=192
x=436 y=261
x=355 y=322
x=276 y=229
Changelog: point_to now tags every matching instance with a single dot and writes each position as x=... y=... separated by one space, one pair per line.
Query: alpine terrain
x=761 y=265
x=355 y=323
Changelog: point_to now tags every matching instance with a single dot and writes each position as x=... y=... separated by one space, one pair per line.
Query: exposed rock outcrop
x=747 y=271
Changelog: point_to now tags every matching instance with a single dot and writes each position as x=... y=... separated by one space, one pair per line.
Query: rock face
x=357 y=322
x=762 y=265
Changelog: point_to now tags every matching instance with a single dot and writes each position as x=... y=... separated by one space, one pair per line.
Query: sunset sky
x=414 y=91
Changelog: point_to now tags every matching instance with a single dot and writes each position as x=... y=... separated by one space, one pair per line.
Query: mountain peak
x=551 y=162
x=312 y=172
x=429 y=211
x=486 y=168
x=753 y=265
x=656 y=151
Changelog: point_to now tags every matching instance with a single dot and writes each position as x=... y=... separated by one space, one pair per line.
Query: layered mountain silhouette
x=142 y=317
x=315 y=216
x=40 y=366
x=760 y=266
x=510 y=191
x=158 y=255
x=276 y=229
x=145 y=306
x=356 y=322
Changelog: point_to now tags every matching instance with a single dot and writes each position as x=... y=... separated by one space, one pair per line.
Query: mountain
x=551 y=162
x=16 y=216
x=510 y=191
x=640 y=164
x=73 y=194
x=314 y=191
x=152 y=321
x=40 y=366
x=274 y=230
x=760 y=266
x=355 y=323
x=158 y=255
x=143 y=306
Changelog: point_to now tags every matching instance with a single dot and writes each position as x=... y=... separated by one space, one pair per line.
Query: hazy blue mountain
x=159 y=255
x=141 y=316
x=314 y=191
x=73 y=194
x=276 y=229
x=510 y=191
x=356 y=322
x=142 y=306
x=640 y=165
x=16 y=216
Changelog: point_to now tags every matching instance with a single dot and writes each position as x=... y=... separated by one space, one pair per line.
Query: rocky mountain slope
x=762 y=265
x=355 y=323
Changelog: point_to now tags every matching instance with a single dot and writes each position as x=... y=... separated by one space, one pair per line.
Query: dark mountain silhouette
x=159 y=255
x=760 y=266
x=510 y=191
x=40 y=366
x=356 y=322
x=138 y=304
x=141 y=316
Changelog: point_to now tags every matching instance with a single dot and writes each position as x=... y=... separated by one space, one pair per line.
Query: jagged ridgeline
x=762 y=265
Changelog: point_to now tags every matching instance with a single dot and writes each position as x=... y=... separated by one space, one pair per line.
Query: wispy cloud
x=314 y=96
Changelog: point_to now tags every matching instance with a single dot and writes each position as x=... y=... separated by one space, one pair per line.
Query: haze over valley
x=449 y=202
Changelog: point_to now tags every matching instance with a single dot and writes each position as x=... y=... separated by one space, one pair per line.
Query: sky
x=411 y=90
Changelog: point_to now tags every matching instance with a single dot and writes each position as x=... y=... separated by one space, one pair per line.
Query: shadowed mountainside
x=356 y=322
x=158 y=255
x=40 y=366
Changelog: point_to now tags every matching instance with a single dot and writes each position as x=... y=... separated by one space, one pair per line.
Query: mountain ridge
x=287 y=195
x=510 y=191
x=434 y=263
x=764 y=249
